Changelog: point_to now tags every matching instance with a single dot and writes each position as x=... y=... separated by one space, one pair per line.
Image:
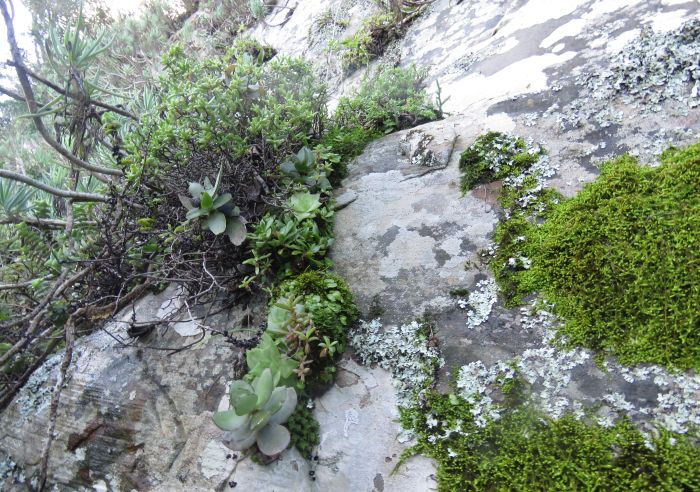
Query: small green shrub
x=391 y=99
x=525 y=450
x=368 y=42
x=289 y=242
x=495 y=156
x=304 y=429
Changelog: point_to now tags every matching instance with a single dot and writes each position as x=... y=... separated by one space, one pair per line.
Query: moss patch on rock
x=621 y=261
x=525 y=450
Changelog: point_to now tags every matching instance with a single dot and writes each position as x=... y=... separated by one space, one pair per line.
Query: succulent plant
x=304 y=168
x=220 y=212
x=257 y=412
x=267 y=355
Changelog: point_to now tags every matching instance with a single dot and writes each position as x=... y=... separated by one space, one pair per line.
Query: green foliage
x=15 y=198
x=303 y=168
x=231 y=104
x=257 y=9
x=304 y=429
x=525 y=450
x=348 y=142
x=266 y=355
x=292 y=241
x=620 y=261
x=256 y=413
x=221 y=215
x=495 y=156
x=368 y=42
x=312 y=314
x=391 y=99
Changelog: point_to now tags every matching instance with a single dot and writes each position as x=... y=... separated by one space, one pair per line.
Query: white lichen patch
x=404 y=351
x=549 y=371
x=35 y=396
x=480 y=302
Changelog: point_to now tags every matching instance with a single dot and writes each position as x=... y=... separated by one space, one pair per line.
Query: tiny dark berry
x=228 y=456
x=316 y=458
x=312 y=473
x=313 y=478
x=232 y=484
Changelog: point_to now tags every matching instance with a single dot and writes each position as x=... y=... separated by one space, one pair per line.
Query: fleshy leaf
x=228 y=420
x=222 y=200
x=243 y=443
x=195 y=213
x=186 y=202
x=207 y=202
x=304 y=204
x=259 y=420
x=263 y=386
x=196 y=190
x=236 y=231
x=216 y=222
x=287 y=408
x=273 y=439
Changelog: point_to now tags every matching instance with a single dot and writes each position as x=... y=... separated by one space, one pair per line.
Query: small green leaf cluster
x=267 y=355
x=304 y=168
x=494 y=156
x=525 y=450
x=305 y=430
x=287 y=243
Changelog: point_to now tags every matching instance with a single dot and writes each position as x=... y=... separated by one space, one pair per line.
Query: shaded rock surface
x=135 y=418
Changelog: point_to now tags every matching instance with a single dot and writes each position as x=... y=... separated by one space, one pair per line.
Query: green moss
x=495 y=156
x=526 y=451
x=621 y=261
x=304 y=430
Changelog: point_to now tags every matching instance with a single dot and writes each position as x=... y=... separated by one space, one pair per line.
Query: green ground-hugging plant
x=304 y=429
x=368 y=42
x=525 y=450
x=494 y=156
x=319 y=306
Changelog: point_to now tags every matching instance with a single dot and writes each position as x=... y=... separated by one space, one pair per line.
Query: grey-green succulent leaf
x=228 y=420
x=216 y=222
x=287 y=408
x=273 y=439
x=235 y=229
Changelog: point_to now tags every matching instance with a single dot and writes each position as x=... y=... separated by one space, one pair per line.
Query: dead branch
x=76 y=196
x=45 y=223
